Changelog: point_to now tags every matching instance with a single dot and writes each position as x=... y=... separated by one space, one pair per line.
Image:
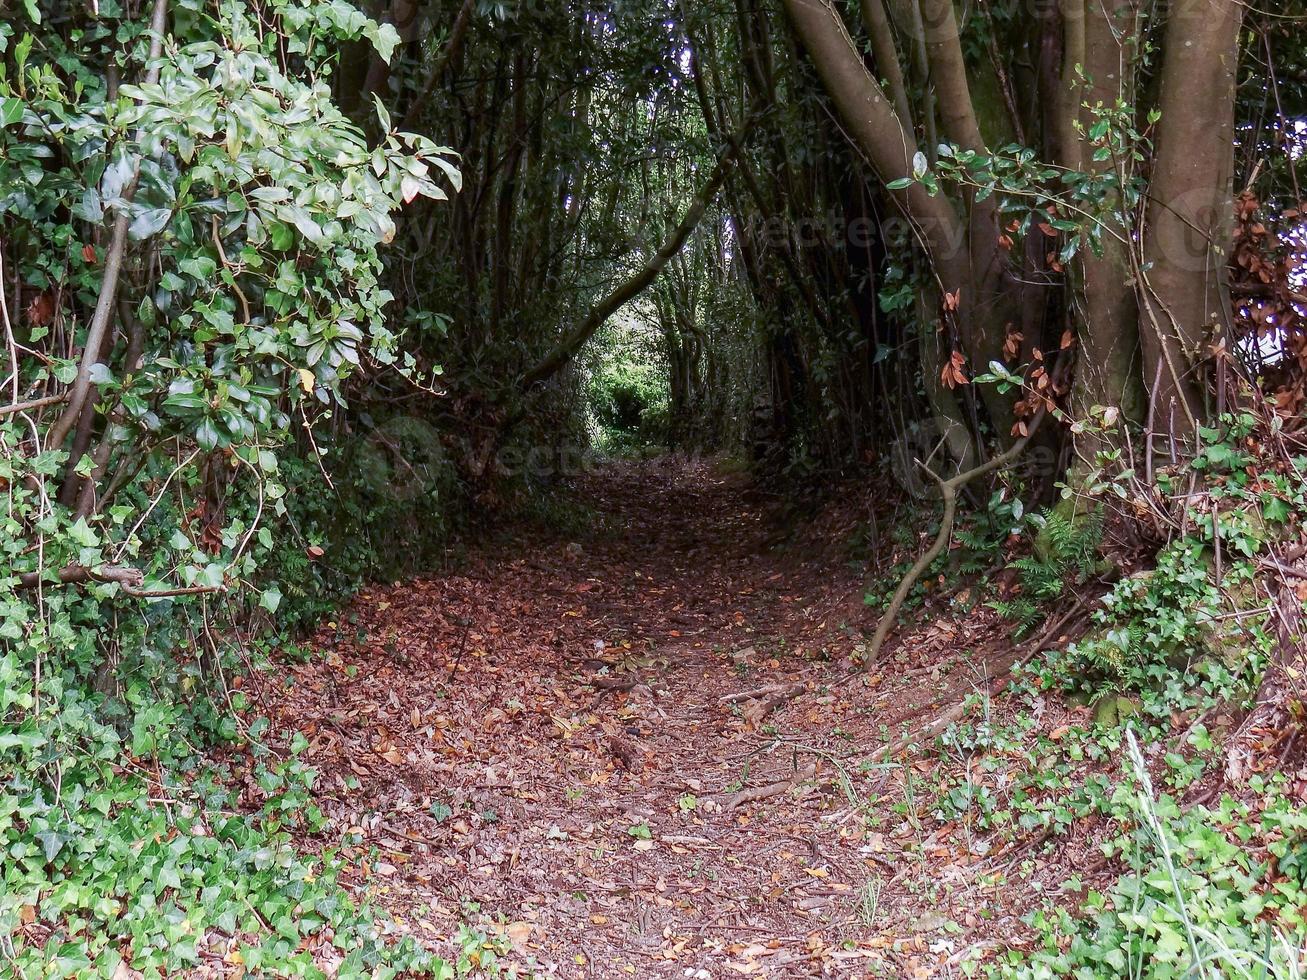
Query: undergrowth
x=1168 y=660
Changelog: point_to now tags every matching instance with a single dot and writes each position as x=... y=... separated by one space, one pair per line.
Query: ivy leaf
x=83 y=534
x=149 y=223
x=52 y=843
x=384 y=38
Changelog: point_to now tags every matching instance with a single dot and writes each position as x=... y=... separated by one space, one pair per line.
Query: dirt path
x=555 y=743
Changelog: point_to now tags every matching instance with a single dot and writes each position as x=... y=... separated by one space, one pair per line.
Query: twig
x=165 y=593
x=34 y=403
x=752 y=794
x=462 y=645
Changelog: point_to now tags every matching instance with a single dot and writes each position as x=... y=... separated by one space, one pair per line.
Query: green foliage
x=627 y=391
x=124 y=866
x=1177 y=616
x=1207 y=890
x=1067 y=548
x=1152 y=622
x=1197 y=899
x=1083 y=204
x=146 y=530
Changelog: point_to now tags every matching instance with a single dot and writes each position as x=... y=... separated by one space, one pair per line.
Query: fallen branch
x=1270 y=564
x=1000 y=680
x=762 y=692
x=615 y=684
x=949 y=492
x=136 y=593
x=76 y=574
x=753 y=794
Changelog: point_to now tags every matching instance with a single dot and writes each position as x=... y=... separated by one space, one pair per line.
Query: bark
x=948 y=71
x=879 y=133
x=964 y=252
x=1188 y=228
x=1104 y=43
x=883 y=50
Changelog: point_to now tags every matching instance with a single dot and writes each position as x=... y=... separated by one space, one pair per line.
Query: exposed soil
x=563 y=734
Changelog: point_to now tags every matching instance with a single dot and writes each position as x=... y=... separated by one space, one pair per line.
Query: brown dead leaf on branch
x=953 y=372
x=41 y=310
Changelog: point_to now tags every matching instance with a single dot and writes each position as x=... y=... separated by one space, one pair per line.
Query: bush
x=198 y=254
x=630 y=403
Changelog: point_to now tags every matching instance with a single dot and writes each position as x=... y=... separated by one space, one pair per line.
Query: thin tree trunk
x=1190 y=206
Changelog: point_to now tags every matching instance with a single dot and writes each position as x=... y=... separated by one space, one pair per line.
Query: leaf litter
x=647 y=752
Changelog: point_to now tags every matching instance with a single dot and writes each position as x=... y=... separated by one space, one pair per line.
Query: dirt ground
x=647 y=751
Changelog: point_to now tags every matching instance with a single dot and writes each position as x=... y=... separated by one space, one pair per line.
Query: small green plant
x=640 y=831
x=1196 y=902
x=440 y=811
x=869 y=902
x=1066 y=549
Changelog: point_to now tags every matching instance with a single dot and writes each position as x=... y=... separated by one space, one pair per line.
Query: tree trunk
x=1185 y=294
x=1104 y=42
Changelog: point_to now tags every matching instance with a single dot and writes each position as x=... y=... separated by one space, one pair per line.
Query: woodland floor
x=555 y=744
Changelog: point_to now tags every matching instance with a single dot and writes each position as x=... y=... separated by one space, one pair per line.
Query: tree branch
x=78 y=574
x=949 y=492
x=878 y=132
x=113 y=263
x=886 y=54
x=626 y=291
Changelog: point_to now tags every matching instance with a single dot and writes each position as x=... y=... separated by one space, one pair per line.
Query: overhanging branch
x=575 y=339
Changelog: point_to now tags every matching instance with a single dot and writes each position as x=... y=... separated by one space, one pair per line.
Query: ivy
x=143 y=529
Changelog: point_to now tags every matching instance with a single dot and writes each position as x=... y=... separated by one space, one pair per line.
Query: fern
x=1023 y=613
x=1069 y=548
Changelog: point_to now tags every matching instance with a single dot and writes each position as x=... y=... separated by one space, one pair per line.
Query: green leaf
x=52 y=843
x=382 y=114
x=207 y=436
x=83 y=534
x=11 y=111
x=384 y=38
x=149 y=223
